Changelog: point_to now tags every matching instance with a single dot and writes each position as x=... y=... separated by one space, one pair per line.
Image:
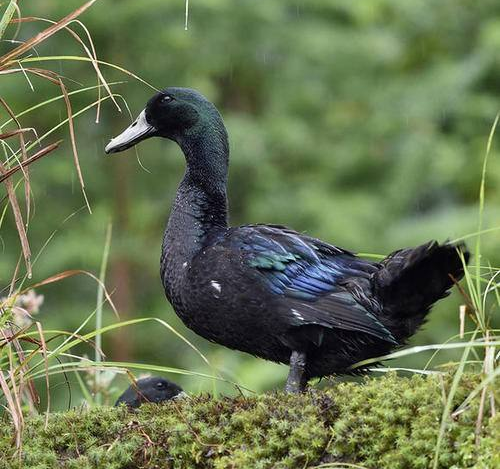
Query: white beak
x=133 y=134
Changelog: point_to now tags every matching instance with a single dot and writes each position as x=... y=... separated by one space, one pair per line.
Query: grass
x=99 y=312
x=30 y=355
x=479 y=297
x=381 y=423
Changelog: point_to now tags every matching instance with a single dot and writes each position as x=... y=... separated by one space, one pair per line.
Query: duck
x=153 y=389
x=266 y=289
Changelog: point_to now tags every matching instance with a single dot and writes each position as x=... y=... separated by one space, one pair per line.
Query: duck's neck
x=200 y=207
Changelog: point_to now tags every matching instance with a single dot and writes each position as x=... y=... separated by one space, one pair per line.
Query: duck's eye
x=160 y=385
x=166 y=99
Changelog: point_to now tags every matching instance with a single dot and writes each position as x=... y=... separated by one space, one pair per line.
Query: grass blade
x=449 y=401
x=43 y=35
x=43 y=347
x=18 y=218
x=57 y=98
x=12 y=133
x=73 y=142
x=98 y=317
x=91 y=53
x=424 y=348
x=43 y=152
x=86 y=59
x=480 y=310
x=7 y=16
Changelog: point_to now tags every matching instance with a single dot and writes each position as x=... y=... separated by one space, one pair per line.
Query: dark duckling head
x=153 y=389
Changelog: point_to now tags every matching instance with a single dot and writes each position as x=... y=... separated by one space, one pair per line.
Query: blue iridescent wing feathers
x=309 y=277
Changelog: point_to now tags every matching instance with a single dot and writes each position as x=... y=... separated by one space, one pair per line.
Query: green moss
x=389 y=422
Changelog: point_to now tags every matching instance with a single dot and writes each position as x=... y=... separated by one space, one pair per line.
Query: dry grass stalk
x=12 y=400
x=12 y=133
x=27 y=186
x=70 y=273
x=39 y=154
x=46 y=363
x=7 y=59
x=463 y=309
x=17 y=417
x=17 y=381
x=18 y=218
x=73 y=142
x=34 y=398
x=47 y=74
x=91 y=53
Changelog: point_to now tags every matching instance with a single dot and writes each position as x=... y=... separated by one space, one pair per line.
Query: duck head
x=154 y=389
x=178 y=114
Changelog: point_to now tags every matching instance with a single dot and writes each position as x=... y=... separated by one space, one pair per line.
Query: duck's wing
x=310 y=278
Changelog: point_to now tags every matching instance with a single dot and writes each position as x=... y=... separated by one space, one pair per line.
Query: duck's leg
x=296 y=381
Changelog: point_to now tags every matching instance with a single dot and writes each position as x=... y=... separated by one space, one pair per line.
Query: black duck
x=266 y=289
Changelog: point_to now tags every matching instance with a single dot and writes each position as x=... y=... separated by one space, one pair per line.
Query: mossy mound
x=388 y=422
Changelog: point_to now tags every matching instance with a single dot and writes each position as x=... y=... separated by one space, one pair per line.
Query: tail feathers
x=411 y=280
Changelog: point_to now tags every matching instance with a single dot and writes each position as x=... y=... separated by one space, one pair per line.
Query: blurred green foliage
x=363 y=123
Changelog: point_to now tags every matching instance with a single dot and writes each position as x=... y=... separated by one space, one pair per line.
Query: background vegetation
x=363 y=123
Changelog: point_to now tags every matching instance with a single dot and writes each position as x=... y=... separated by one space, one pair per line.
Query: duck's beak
x=181 y=395
x=133 y=134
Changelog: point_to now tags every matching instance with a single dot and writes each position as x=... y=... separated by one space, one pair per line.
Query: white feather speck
x=216 y=285
x=297 y=314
